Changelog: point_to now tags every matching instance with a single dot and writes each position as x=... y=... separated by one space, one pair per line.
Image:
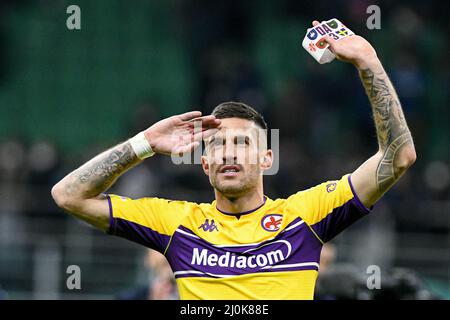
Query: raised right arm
x=81 y=191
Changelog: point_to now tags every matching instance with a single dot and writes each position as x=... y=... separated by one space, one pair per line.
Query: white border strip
x=187 y=233
x=200 y=272
x=293 y=265
x=293 y=226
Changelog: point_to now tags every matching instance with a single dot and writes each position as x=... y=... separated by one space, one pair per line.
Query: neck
x=238 y=204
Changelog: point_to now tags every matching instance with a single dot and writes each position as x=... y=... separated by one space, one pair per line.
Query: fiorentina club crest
x=271 y=222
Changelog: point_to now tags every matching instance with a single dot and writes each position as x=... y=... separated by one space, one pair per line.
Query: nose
x=229 y=160
x=229 y=153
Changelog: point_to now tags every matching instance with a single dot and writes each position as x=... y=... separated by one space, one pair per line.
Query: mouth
x=230 y=170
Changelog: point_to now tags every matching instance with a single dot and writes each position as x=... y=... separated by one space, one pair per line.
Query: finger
x=209 y=133
x=186 y=148
x=211 y=123
x=331 y=42
x=202 y=119
x=205 y=122
x=185 y=137
x=198 y=136
x=315 y=23
x=190 y=115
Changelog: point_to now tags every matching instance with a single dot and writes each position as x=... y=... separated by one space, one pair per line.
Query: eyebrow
x=245 y=138
x=238 y=137
x=210 y=140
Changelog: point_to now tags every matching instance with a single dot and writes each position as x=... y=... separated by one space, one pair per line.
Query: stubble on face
x=237 y=186
x=247 y=160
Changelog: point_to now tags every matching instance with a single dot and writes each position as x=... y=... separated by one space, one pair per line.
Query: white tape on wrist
x=141 y=146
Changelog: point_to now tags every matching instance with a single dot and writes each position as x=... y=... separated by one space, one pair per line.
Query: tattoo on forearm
x=386 y=174
x=98 y=174
x=391 y=127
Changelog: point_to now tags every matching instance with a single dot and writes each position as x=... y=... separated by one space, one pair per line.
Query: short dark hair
x=232 y=109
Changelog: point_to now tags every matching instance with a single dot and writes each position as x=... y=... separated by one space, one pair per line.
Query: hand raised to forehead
x=181 y=133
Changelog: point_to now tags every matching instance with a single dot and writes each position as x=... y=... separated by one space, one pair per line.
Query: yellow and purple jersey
x=271 y=252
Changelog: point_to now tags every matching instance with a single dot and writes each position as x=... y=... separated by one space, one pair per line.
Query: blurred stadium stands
x=66 y=95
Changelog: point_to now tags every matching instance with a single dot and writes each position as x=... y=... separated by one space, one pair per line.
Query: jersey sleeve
x=329 y=207
x=147 y=221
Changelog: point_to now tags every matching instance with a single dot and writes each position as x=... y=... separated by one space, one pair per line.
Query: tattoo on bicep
x=390 y=123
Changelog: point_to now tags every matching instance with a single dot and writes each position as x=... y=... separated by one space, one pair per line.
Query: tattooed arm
x=396 y=151
x=80 y=192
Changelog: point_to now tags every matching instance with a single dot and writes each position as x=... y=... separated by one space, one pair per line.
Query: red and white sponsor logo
x=272 y=222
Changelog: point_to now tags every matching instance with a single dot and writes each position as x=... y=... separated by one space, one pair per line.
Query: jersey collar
x=238 y=215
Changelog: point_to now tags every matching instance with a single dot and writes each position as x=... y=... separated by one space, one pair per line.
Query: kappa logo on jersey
x=271 y=222
x=209 y=226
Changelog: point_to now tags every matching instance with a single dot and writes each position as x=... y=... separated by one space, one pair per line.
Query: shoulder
x=150 y=208
x=320 y=197
x=185 y=208
x=329 y=188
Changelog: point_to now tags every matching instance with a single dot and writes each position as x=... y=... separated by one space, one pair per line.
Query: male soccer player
x=243 y=245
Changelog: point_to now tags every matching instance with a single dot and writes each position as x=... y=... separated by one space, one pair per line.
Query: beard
x=235 y=187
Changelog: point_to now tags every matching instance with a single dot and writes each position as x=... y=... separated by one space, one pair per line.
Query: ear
x=205 y=165
x=267 y=160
